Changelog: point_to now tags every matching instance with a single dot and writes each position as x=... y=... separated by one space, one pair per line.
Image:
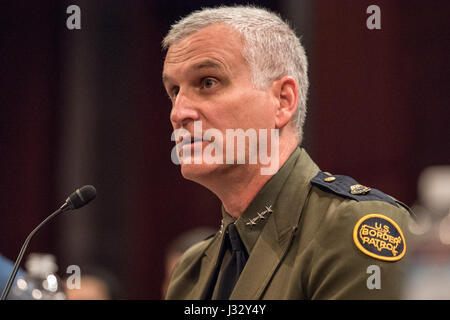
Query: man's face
x=208 y=80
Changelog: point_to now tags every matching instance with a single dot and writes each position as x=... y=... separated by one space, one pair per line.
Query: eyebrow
x=206 y=64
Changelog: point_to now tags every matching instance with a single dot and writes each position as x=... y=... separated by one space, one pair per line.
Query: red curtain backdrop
x=28 y=122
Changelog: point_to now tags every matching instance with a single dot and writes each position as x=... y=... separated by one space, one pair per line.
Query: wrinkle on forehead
x=218 y=42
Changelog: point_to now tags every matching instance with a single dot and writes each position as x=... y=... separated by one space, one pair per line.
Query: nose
x=183 y=110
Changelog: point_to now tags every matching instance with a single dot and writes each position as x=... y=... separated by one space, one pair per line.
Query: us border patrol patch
x=379 y=237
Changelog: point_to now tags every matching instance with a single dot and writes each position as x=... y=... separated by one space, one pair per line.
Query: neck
x=237 y=187
x=242 y=191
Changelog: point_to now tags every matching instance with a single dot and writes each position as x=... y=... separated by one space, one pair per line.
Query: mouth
x=186 y=141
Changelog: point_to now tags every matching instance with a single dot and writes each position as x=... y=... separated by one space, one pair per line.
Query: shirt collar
x=250 y=224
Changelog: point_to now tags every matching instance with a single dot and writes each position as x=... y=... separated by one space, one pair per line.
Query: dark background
x=88 y=107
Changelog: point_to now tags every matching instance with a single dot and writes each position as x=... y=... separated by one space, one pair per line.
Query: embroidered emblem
x=359 y=189
x=260 y=216
x=379 y=237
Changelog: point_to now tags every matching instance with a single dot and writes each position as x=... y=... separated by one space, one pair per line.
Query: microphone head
x=81 y=197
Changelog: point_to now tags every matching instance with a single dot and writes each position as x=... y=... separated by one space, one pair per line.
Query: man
x=297 y=233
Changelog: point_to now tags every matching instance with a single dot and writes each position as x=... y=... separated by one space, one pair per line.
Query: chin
x=197 y=172
x=203 y=173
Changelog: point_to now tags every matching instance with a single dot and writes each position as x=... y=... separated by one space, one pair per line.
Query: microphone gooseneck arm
x=76 y=200
x=22 y=252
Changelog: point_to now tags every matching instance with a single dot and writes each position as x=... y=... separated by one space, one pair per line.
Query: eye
x=208 y=83
x=174 y=91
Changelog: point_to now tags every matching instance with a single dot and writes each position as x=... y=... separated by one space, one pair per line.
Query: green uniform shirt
x=308 y=237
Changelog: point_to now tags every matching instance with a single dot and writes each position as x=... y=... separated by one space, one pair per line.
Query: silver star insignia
x=261 y=215
x=221 y=227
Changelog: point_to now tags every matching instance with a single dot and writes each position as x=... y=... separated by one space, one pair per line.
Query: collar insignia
x=260 y=216
x=221 y=227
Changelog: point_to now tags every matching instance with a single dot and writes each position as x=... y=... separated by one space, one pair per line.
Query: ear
x=285 y=91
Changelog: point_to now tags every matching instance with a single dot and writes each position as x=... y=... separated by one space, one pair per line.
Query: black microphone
x=76 y=200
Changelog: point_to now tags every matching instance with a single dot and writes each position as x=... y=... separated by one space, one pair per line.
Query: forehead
x=218 y=43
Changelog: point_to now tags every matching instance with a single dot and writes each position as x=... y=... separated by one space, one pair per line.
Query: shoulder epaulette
x=348 y=187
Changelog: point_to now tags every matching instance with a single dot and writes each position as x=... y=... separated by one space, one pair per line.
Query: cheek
x=255 y=111
x=242 y=109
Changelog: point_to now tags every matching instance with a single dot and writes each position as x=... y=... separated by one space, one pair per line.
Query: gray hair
x=271 y=48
